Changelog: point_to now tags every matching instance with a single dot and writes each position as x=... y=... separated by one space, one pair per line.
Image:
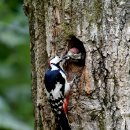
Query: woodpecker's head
x=59 y=62
x=74 y=53
x=55 y=60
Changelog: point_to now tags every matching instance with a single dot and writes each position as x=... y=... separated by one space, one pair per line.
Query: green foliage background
x=15 y=82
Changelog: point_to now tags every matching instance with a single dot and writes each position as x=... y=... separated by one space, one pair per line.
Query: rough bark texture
x=100 y=101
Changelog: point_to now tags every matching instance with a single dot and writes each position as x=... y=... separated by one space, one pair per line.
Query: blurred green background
x=15 y=83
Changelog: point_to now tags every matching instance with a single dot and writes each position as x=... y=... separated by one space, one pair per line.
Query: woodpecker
x=74 y=53
x=58 y=88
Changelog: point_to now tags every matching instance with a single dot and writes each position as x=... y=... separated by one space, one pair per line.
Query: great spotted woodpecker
x=57 y=89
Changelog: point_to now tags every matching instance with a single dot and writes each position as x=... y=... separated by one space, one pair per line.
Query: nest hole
x=75 y=66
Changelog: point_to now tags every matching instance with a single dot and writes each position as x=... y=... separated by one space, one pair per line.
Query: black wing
x=51 y=78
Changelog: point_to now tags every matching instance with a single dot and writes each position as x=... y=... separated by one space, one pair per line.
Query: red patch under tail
x=65 y=104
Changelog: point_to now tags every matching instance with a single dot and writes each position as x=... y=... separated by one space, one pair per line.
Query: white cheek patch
x=55 y=60
x=53 y=68
x=56 y=92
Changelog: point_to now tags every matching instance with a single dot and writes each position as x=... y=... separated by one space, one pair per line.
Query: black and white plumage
x=57 y=87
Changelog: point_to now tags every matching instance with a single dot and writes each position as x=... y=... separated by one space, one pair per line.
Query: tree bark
x=100 y=101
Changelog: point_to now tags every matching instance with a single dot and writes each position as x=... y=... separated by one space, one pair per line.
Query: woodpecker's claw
x=74 y=80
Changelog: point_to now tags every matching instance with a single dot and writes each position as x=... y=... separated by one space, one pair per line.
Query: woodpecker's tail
x=62 y=122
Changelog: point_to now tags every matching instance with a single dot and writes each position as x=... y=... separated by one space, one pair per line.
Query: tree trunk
x=100 y=100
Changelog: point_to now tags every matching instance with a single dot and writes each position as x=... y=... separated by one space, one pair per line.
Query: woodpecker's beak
x=66 y=57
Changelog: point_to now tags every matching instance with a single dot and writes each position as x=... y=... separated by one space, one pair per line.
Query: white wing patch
x=56 y=93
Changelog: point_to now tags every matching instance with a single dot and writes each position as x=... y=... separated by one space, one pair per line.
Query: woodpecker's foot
x=75 y=80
